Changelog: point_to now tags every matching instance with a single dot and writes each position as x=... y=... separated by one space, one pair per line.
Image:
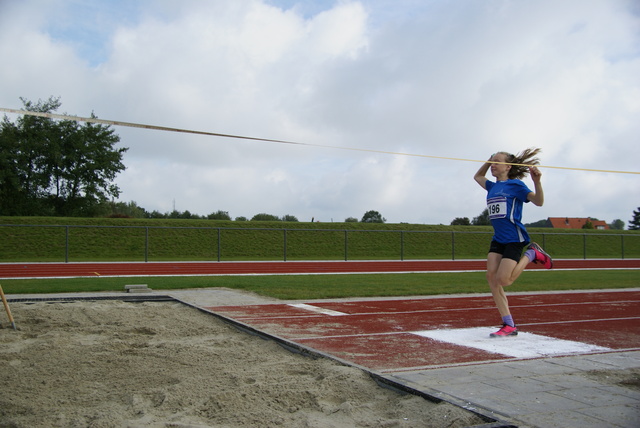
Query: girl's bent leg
x=496 y=266
x=509 y=270
x=501 y=273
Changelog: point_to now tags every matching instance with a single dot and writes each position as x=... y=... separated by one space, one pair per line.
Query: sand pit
x=163 y=364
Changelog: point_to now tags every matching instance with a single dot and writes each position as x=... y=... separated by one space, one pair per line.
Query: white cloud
x=453 y=79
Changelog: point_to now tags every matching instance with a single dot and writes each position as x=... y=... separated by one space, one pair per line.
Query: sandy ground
x=163 y=364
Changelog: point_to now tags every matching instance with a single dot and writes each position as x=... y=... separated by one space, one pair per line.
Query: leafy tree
x=588 y=225
x=289 y=217
x=24 y=179
x=241 y=218
x=482 y=219
x=350 y=220
x=634 y=223
x=10 y=189
x=130 y=209
x=460 y=221
x=56 y=168
x=219 y=215
x=189 y=216
x=373 y=217
x=156 y=214
x=265 y=217
x=617 y=224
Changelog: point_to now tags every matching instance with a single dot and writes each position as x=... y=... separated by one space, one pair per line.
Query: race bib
x=497 y=207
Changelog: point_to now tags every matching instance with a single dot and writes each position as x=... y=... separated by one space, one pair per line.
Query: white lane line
x=524 y=345
x=316 y=309
x=490 y=306
x=579 y=321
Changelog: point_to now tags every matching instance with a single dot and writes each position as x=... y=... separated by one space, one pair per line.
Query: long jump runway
x=398 y=335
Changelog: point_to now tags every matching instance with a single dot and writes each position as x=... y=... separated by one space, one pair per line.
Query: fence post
x=66 y=244
x=346 y=246
x=219 y=244
x=146 y=244
x=285 y=244
x=453 y=245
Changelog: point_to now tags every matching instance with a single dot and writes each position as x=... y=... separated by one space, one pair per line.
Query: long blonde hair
x=523 y=160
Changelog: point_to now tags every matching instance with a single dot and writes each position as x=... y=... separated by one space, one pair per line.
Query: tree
x=156 y=214
x=617 y=224
x=219 y=215
x=130 y=209
x=24 y=180
x=634 y=223
x=265 y=217
x=373 y=217
x=88 y=165
x=482 y=219
x=588 y=225
x=350 y=220
x=289 y=217
x=56 y=168
x=460 y=221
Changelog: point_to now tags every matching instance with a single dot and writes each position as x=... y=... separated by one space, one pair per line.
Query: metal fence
x=44 y=243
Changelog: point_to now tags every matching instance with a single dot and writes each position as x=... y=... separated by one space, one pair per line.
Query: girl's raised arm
x=481 y=173
x=537 y=196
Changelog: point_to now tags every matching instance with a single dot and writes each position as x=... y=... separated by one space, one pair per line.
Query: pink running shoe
x=541 y=256
x=505 y=331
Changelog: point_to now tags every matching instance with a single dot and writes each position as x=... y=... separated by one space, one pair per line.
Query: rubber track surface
x=44 y=270
x=378 y=334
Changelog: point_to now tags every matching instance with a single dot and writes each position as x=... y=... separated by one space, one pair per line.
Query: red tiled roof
x=575 y=223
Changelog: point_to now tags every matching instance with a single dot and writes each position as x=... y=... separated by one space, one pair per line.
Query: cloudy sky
x=455 y=79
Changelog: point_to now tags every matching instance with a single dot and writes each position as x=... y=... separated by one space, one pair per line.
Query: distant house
x=575 y=223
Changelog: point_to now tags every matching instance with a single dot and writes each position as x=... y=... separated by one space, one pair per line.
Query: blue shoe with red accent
x=505 y=331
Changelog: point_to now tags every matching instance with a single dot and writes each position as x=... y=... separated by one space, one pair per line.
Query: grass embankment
x=48 y=239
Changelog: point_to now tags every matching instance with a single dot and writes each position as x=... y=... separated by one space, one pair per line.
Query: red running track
x=69 y=270
x=380 y=334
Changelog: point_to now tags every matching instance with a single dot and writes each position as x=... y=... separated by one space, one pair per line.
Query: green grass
x=51 y=239
x=336 y=286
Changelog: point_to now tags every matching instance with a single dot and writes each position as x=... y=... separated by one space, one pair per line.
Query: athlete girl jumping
x=505 y=198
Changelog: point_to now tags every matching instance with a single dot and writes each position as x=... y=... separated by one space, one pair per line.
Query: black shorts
x=512 y=250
